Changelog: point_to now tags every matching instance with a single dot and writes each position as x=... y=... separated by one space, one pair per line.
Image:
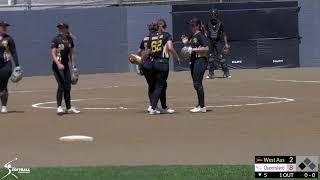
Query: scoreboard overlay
x=287 y=167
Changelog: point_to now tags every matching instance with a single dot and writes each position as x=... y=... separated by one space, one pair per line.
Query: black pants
x=160 y=70
x=63 y=78
x=217 y=59
x=148 y=75
x=5 y=73
x=198 y=68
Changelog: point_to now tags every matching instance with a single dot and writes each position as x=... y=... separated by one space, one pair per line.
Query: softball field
x=256 y=112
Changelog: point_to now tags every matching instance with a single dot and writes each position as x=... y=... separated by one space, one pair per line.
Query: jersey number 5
x=156 y=46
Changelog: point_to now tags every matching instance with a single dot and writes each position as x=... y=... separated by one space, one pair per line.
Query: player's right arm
x=141 y=48
x=147 y=51
x=54 y=47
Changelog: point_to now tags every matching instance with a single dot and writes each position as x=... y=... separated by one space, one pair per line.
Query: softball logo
x=12 y=170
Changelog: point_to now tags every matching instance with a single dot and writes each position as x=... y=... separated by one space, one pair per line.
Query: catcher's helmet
x=214 y=12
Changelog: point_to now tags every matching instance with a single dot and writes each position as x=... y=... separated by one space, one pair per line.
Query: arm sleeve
x=13 y=50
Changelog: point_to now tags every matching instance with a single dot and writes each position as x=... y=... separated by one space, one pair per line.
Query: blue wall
x=106 y=35
x=101 y=38
x=138 y=18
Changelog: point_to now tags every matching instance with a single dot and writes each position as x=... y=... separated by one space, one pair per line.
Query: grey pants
x=217 y=59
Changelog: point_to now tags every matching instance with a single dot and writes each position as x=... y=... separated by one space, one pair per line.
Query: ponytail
x=203 y=29
x=197 y=22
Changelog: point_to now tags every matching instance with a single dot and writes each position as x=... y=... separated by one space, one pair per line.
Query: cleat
x=60 y=110
x=150 y=108
x=199 y=109
x=73 y=110
x=210 y=76
x=4 y=109
x=154 y=112
x=167 y=111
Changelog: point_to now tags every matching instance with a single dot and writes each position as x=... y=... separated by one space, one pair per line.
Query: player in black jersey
x=159 y=46
x=7 y=53
x=198 y=65
x=146 y=67
x=218 y=52
x=62 y=51
x=163 y=97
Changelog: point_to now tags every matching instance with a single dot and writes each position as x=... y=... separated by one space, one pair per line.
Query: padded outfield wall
x=104 y=36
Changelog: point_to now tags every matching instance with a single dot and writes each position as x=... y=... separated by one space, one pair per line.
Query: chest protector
x=214 y=31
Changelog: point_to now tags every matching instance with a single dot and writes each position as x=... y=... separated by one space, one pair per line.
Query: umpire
x=217 y=56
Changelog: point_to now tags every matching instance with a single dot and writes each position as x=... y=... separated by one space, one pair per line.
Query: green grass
x=218 y=172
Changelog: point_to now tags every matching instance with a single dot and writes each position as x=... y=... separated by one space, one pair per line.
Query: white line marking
x=75 y=89
x=280 y=100
x=100 y=108
x=296 y=81
x=39 y=105
x=277 y=101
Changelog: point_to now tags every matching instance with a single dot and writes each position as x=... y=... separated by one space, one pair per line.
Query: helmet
x=214 y=12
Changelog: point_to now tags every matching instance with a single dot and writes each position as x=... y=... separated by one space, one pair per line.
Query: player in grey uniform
x=218 y=53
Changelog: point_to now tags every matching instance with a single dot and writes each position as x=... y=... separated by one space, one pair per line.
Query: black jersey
x=198 y=40
x=8 y=50
x=63 y=46
x=158 y=45
x=215 y=30
x=144 y=43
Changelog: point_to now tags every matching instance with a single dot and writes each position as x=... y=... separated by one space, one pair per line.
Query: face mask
x=214 y=21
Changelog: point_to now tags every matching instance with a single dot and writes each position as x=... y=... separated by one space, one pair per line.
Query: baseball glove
x=134 y=59
x=74 y=75
x=17 y=74
x=186 y=52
